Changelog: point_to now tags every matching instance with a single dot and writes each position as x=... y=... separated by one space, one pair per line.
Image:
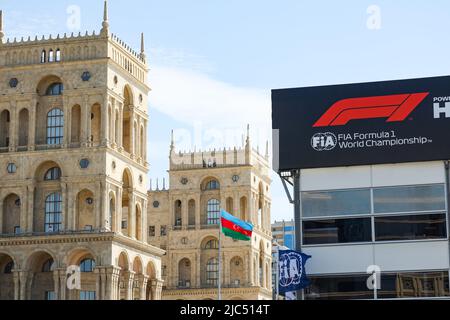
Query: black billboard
x=360 y=124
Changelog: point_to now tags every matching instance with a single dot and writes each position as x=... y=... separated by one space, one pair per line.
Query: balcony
x=57 y=233
x=210 y=226
x=184 y=284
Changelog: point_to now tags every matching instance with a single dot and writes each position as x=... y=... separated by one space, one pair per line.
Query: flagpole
x=220 y=259
x=277 y=274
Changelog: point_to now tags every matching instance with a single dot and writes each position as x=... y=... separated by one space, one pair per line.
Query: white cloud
x=194 y=97
x=19 y=24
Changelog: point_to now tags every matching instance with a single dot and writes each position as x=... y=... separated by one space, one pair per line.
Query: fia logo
x=291 y=269
x=324 y=141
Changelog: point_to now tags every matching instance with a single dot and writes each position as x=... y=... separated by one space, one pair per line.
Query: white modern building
x=389 y=217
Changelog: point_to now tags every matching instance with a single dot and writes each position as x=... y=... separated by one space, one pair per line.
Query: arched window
x=55 y=89
x=177 y=209
x=55 y=127
x=52 y=174
x=51 y=56
x=87 y=265
x=213 y=212
x=211 y=244
x=58 y=55
x=53 y=212
x=9 y=267
x=212 y=272
x=48 y=265
x=212 y=185
x=43 y=56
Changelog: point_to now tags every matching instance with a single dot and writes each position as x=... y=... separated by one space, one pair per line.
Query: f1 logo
x=394 y=107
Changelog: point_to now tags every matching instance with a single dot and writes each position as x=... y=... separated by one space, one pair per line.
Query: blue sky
x=214 y=62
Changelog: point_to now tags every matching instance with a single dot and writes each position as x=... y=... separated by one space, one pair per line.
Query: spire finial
x=1 y=27
x=105 y=24
x=172 y=141
x=248 y=134
x=267 y=149
x=142 y=55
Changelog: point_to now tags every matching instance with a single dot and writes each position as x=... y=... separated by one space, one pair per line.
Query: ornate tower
x=184 y=220
x=73 y=123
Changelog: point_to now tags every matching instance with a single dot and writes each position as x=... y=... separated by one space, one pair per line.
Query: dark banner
x=364 y=123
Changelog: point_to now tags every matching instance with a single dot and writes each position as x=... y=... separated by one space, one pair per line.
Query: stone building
x=73 y=186
x=184 y=221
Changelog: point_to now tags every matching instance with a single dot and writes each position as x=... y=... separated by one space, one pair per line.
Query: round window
x=156 y=204
x=84 y=163
x=12 y=168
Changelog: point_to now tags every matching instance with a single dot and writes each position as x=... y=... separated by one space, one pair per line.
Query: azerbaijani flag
x=234 y=228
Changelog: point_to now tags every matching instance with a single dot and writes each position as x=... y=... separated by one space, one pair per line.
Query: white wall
x=400 y=256
x=373 y=176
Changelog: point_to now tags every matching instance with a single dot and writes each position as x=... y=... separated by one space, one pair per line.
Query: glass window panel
x=213 y=212
x=53 y=213
x=337 y=231
x=417 y=227
x=338 y=288
x=407 y=199
x=333 y=203
x=55 y=125
x=414 y=284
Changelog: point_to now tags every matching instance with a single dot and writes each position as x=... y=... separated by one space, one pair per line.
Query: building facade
x=184 y=221
x=73 y=191
x=283 y=233
x=389 y=221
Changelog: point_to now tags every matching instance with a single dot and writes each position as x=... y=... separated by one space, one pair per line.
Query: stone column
x=156 y=289
x=252 y=269
x=184 y=213
x=144 y=146
x=12 y=125
x=98 y=294
x=198 y=222
x=64 y=203
x=32 y=124
x=104 y=125
x=23 y=279
x=138 y=147
x=1 y=217
x=67 y=123
x=132 y=131
x=71 y=214
x=85 y=121
x=16 y=279
x=132 y=216
x=105 y=220
x=30 y=211
x=129 y=281
x=144 y=287
x=119 y=211
x=246 y=271
x=144 y=222
x=103 y=277
x=120 y=142
x=236 y=206
x=225 y=269
x=112 y=283
x=98 y=205
x=198 y=280
x=113 y=123
x=56 y=283
x=63 y=284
